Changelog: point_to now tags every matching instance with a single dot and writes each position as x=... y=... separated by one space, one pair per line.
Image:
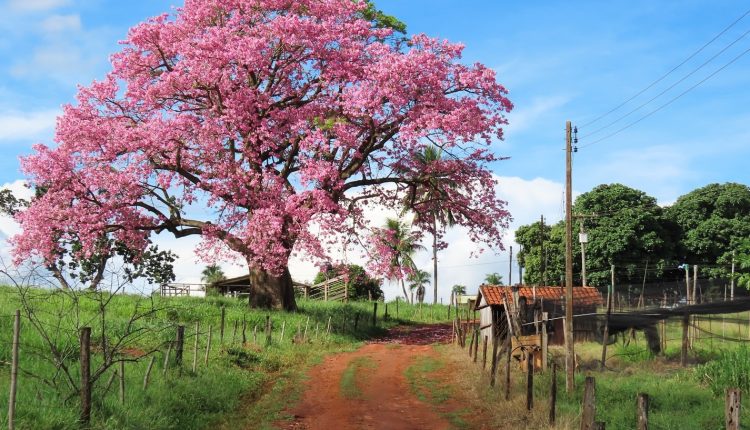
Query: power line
x=690 y=57
x=669 y=102
x=641 y=106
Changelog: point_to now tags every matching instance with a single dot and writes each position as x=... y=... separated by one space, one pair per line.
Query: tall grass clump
x=731 y=369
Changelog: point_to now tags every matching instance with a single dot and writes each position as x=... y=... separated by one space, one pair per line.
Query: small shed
x=529 y=303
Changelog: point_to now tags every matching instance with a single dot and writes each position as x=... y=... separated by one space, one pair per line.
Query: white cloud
x=26 y=126
x=525 y=117
x=37 y=5
x=61 y=23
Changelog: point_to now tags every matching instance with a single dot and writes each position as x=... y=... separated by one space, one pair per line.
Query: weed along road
x=398 y=382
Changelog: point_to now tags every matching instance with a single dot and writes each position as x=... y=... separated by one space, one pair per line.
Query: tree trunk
x=269 y=291
x=57 y=274
x=403 y=287
x=434 y=263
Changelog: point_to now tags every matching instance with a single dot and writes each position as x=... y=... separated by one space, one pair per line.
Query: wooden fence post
x=328 y=329
x=732 y=409
x=234 y=332
x=589 y=404
x=545 y=340
x=268 y=330
x=148 y=372
x=244 y=332
x=471 y=343
x=553 y=395
x=493 y=362
x=195 y=346
x=684 y=352
x=14 y=371
x=221 y=329
x=374 y=314
x=122 y=382
x=476 y=343
x=180 y=343
x=283 y=328
x=166 y=358
x=85 y=341
x=208 y=345
x=484 y=353
x=642 y=403
x=509 y=348
x=530 y=380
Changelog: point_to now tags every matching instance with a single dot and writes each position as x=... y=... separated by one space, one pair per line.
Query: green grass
x=433 y=390
x=224 y=392
x=353 y=377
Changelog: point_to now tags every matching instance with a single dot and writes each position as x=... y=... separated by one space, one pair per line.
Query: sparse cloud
x=61 y=23
x=37 y=5
x=527 y=116
x=15 y=126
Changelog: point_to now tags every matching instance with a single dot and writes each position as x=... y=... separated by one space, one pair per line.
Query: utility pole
x=687 y=282
x=510 y=267
x=583 y=238
x=731 y=281
x=569 y=347
x=542 y=262
x=520 y=269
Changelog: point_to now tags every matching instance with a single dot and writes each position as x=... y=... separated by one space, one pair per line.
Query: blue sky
x=559 y=59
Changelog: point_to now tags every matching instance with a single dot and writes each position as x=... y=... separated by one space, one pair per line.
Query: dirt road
x=392 y=384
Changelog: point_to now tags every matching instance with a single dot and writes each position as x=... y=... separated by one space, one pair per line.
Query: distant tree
x=714 y=221
x=212 y=275
x=493 y=278
x=361 y=286
x=396 y=241
x=457 y=290
x=542 y=253
x=625 y=227
x=417 y=281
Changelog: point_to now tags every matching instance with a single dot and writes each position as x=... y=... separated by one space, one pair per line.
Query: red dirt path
x=386 y=402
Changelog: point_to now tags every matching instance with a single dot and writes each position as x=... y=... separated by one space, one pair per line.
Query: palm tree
x=417 y=280
x=403 y=244
x=457 y=290
x=493 y=278
x=212 y=274
x=425 y=200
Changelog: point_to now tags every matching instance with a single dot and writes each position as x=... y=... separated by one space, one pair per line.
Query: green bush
x=730 y=370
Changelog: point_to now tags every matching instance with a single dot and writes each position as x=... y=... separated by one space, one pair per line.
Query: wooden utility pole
x=542 y=262
x=687 y=283
x=510 y=267
x=731 y=281
x=695 y=283
x=583 y=239
x=569 y=347
x=605 y=338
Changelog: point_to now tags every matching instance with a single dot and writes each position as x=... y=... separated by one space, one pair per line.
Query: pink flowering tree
x=267 y=128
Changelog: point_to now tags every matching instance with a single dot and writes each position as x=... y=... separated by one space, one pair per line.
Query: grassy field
x=681 y=398
x=238 y=384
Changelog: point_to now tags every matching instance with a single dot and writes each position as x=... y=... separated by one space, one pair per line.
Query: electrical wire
x=666 y=90
x=690 y=57
x=669 y=102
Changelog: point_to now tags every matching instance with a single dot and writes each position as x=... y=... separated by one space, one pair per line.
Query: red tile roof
x=581 y=295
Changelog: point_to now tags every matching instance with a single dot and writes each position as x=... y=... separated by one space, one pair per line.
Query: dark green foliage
x=625 y=227
x=361 y=286
x=713 y=220
x=381 y=20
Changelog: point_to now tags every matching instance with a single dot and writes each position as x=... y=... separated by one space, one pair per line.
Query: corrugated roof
x=581 y=295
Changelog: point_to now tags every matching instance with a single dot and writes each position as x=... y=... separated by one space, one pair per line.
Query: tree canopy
x=714 y=221
x=248 y=125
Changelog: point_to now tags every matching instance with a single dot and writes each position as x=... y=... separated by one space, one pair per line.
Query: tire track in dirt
x=386 y=401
